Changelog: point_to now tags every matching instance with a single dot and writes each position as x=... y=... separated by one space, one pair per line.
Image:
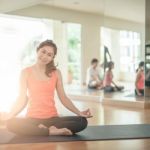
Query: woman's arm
x=21 y=100
x=110 y=75
x=66 y=101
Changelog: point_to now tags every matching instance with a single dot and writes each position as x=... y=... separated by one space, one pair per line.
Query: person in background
x=37 y=87
x=93 y=80
x=140 y=79
x=108 y=83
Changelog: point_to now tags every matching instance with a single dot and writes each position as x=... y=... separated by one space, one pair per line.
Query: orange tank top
x=108 y=78
x=41 y=96
x=140 y=84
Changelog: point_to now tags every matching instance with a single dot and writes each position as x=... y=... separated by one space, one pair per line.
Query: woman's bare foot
x=62 y=131
x=42 y=126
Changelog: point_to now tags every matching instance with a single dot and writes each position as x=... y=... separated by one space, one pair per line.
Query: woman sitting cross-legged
x=140 y=80
x=37 y=86
x=108 y=83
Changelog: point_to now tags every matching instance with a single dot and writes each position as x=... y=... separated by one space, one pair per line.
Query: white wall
x=147 y=22
x=59 y=30
x=115 y=52
x=91 y=24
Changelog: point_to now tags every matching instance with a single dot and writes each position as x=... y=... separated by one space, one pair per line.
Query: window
x=19 y=37
x=130 y=45
x=74 y=52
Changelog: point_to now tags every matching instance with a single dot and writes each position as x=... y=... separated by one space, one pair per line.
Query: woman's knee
x=11 y=124
x=84 y=122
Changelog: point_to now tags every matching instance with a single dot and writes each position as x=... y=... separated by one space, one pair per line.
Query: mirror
x=147 y=52
x=123 y=34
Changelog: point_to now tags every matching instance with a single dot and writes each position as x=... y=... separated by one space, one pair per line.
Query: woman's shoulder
x=25 y=71
x=58 y=75
x=108 y=71
x=140 y=71
x=57 y=72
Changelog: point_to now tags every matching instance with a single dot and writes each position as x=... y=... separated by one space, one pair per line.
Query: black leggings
x=113 y=89
x=29 y=126
x=141 y=91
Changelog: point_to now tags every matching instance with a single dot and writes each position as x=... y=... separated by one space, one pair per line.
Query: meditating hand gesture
x=86 y=113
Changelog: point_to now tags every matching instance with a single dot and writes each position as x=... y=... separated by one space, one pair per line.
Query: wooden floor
x=125 y=98
x=82 y=91
x=101 y=115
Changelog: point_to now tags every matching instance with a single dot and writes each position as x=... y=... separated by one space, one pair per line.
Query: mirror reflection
x=123 y=34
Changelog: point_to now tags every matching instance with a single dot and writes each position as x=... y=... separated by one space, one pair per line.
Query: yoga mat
x=92 y=133
x=131 y=95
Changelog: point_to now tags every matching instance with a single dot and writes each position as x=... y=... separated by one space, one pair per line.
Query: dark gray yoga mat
x=132 y=95
x=92 y=133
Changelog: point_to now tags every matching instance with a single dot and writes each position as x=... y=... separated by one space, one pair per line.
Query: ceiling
x=93 y=6
x=11 y=5
x=133 y=10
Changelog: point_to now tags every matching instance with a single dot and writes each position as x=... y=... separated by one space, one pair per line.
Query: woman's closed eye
x=50 y=55
x=43 y=51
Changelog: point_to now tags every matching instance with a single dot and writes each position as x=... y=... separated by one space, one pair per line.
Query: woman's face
x=112 y=66
x=142 y=68
x=45 y=55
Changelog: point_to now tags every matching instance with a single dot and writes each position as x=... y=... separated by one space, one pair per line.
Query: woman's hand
x=86 y=113
x=4 y=116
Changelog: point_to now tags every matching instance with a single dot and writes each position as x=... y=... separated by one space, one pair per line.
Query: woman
x=109 y=84
x=40 y=82
x=140 y=79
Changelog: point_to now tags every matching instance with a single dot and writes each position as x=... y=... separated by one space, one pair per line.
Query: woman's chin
x=43 y=63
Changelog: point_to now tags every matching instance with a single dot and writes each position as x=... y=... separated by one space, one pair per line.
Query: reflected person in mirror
x=140 y=79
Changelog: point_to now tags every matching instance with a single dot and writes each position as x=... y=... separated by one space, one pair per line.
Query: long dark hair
x=141 y=64
x=50 y=67
x=109 y=64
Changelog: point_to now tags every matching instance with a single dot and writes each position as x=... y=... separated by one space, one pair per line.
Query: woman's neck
x=40 y=66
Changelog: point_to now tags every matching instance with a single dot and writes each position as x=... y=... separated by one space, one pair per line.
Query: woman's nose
x=45 y=56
